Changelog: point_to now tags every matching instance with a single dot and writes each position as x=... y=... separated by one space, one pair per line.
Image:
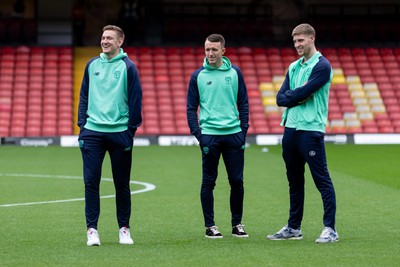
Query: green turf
x=167 y=223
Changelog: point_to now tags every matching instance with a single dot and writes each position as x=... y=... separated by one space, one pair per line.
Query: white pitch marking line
x=147 y=187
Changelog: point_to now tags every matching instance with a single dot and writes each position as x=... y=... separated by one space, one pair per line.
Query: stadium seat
x=366 y=82
x=17 y=131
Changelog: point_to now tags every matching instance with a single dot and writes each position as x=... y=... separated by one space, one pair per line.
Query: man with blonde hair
x=305 y=93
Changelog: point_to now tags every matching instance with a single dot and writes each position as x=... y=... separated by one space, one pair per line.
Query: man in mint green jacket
x=109 y=114
x=219 y=90
x=305 y=93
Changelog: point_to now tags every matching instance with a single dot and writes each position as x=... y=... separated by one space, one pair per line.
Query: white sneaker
x=93 y=238
x=286 y=233
x=125 y=236
x=328 y=235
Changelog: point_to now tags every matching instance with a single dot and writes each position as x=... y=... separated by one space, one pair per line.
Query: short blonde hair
x=119 y=31
x=304 y=28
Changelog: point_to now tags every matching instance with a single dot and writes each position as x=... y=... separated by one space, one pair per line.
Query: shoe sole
x=240 y=236
x=290 y=238
x=93 y=245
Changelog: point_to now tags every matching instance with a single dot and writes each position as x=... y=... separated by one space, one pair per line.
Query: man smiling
x=305 y=93
x=109 y=114
x=218 y=88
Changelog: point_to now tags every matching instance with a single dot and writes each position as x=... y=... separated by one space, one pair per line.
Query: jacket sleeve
x=320 y=75
x=83 y=98
x=242 y=102
x=134 y=98
x=192 y=105
x=281 y=99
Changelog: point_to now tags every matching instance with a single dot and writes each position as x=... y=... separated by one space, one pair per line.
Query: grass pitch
x=167 y=223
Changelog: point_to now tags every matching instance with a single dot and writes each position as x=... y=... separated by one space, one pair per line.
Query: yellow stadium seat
x=353 y=79
x=278 y=79
x=357 y=94
x=373 y=94
x=353 y=123
x=337 y=71
x=375 y=101
x=378 y=108
x=266 y=86
x=268 y=101
x=355 y=86
x=268 y=93
x=272 y=109
x=337 y=123
x=360 y=101
x=370 y=87
x=363 y=108
x=338 y=79
x=365 y=116
x=350 y=116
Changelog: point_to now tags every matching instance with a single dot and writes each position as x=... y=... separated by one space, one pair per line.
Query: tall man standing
x=305 y=93
x=109 y=115
x=218 y=88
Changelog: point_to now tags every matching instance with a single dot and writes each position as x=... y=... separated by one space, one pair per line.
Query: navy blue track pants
x=232 y=149
x=300 y=147
x=94 y=146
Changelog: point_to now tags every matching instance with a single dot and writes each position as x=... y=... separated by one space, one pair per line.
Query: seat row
x=39 y=88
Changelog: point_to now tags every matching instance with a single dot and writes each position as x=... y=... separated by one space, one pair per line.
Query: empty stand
x=38 y=85
x=34 y=76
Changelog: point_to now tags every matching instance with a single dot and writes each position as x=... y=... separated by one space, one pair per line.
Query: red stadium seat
x=45 y=83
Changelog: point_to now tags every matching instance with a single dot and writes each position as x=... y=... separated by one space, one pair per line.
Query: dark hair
x=216 y=38
x=119 y=31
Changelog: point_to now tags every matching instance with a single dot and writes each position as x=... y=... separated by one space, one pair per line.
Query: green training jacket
x=305 y=93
